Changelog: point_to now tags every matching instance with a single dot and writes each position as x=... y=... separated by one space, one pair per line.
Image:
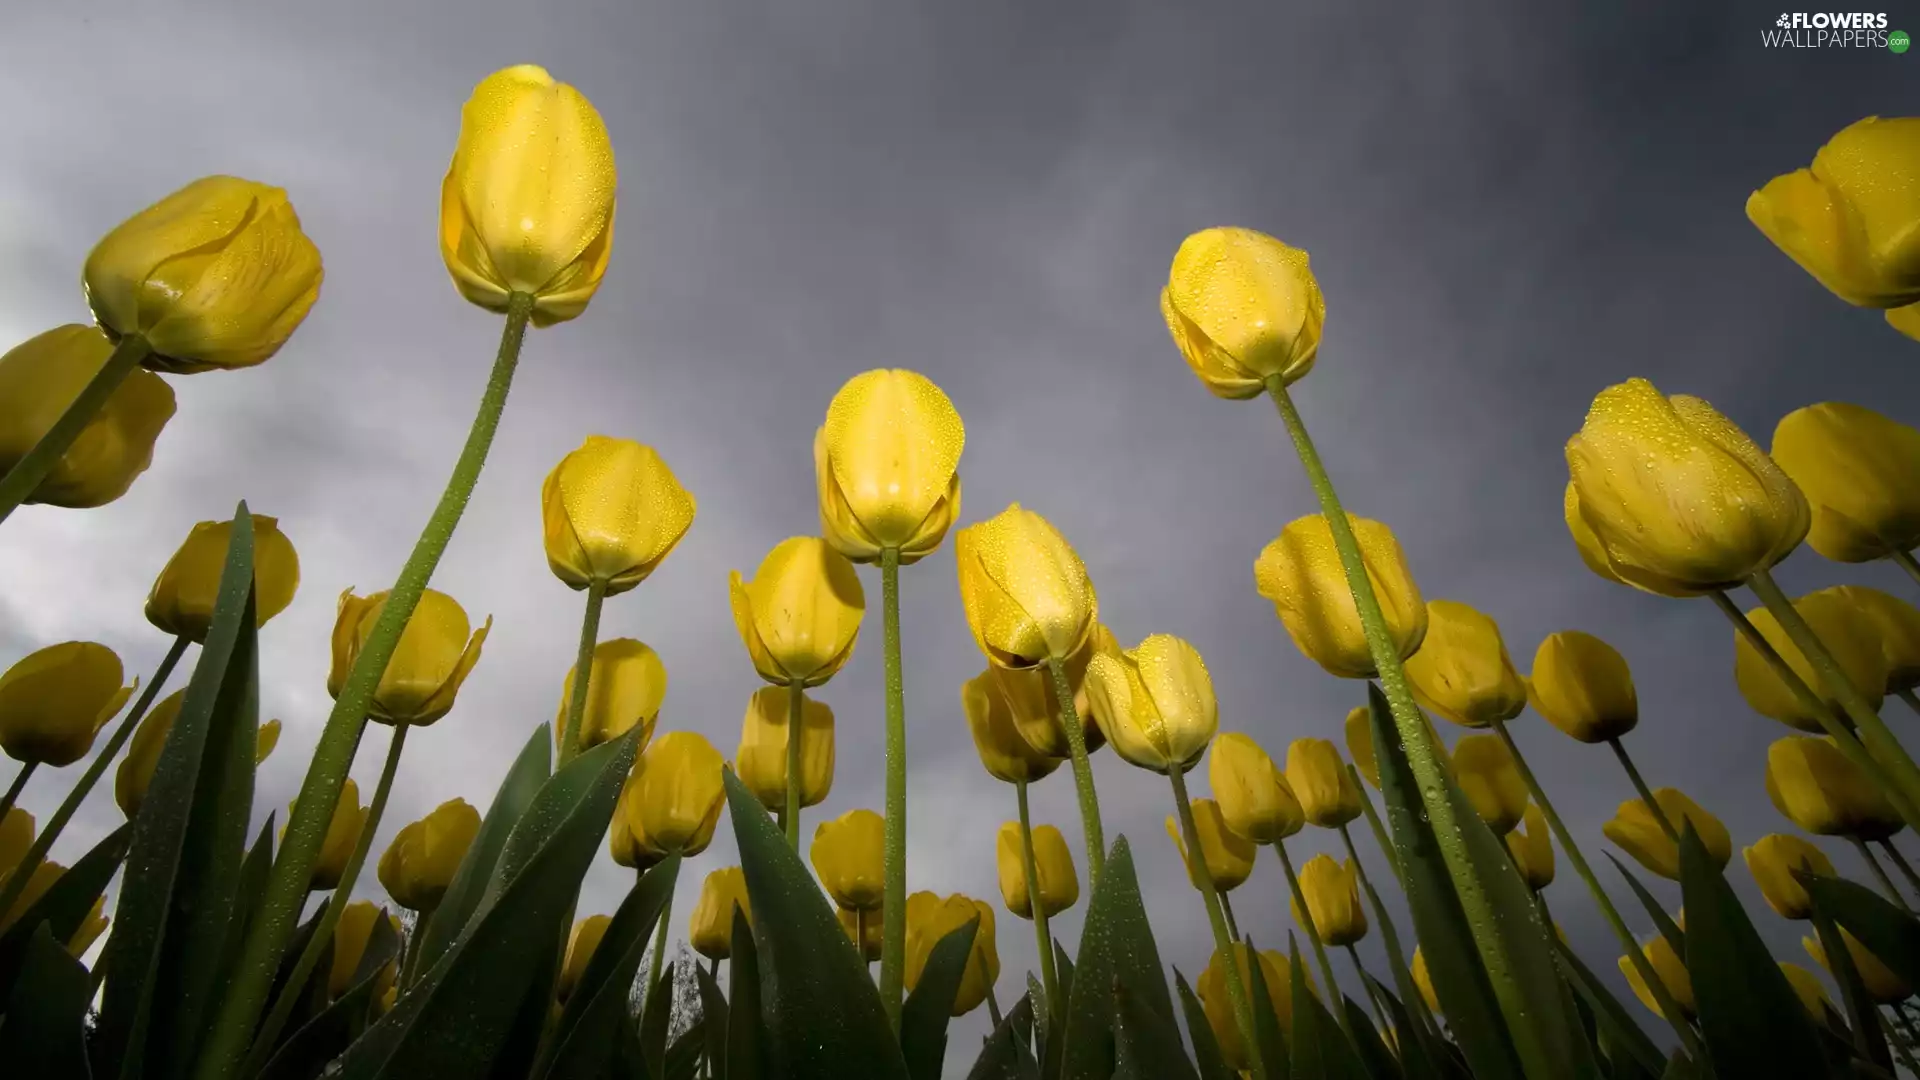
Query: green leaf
x=1052 y=1052
x=1418 y=1057
x=923 y=1020
x=1663 y=922
x=1375 y=1058
x=1005 y=1055
x=713 y=1004
x=1116 y=944
x=306 y=1053
x=1037 y=994
x=577 y=1046
x=67 y=903
x=1886 y=931
x=1148 y=1043
x=246 y=900
x=1268 y=1030
x=1622 y=1032
x=1320 y=1049
x=655 y=1017
x=821 y=1014
x=1206 y=1049
x=746 y=1055
x=43 y=1034
x=683 y=1057
x=1422 y=1031
x=1863 y=1018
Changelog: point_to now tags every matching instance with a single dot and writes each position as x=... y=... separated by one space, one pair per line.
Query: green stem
x=1905 y=559
x=1313 y=935
x=796 y=712
x=1906 y=695
x=1380 y=836
x=1043 y=936
x=993 y=1008
x=13 y=795
x=409 y=971
x=659 y=951
x=1226 y=909
x=1880 y=873
x=24 y=478
x=1389 y=937
x=893 y=913
x=280 y=904
x=1224 y=951
x=574 y=740
x=1646 y=793
x=1899 y=860
x=1093 y=833
x=1366 y=983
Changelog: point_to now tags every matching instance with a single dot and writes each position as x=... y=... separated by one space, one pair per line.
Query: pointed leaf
x=246 y=899
x=1212 y=1064
x=1417 y=1060
x=1622 y=1032
x=746 y=1055
x=656 y=1016
x=598 y=1005
x=1116 y=942
x=306 y=1053
x=1268 y=1029
x=923 y=1019
x=683 y=1057
x=713 y=1004
x=1886 y=931
x=1863 y=1018
x=44 y=1032
x=1320 y=1049
x=1663 y=922
x=1005 y=1055
x=67 y=903
x=1148 y=1045
x=1375 y=1058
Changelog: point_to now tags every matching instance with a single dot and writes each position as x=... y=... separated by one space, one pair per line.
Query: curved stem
x=1233 y=925
x=1646 y=793
x=1305 y=919
x=893 y=912
x=796 y=712
x=1092 y=832
x=1380 y=837
x=1224 y=951
x=24 y=478
x=1905 y=559
x=1899 y=861
x=1043 y=936
x=273 y=922
x=1880 y=873
x=659 y=950
x=13 y=793
x=1907 y=696
x=410 y=970
x=1366 y=983
x=993 y=1008
x=573 y=740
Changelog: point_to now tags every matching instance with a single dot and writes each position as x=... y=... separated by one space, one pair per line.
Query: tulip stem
x=796 y=712
x=574 y=740
x=1226 y=909
x=24 y=478
x=1880 y=873
x=1669 y=1009
x=893 y=914
x=1304 y=916
x=273 y=923
x=659 y=951
x=1366 y=983
x=1907 y=696
x=1380 y=836
x=1389 y=936
x=1905 y=559
x=410 y=968
x=993 y=1008
x=1899 y=861
x=1224 y=949
x=15 y=883
x=1646 y=793
x=13 y=793
x=1043 y=936
x=1093 y=832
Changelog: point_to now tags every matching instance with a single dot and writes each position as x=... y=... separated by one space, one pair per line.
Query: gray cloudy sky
x=1507 y=211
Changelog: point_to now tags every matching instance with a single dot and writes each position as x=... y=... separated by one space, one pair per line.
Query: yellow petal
x=611 y=511
x=1247 y=304
x=893 y=443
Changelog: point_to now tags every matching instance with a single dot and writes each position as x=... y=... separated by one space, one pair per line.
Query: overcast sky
x=1507 y=211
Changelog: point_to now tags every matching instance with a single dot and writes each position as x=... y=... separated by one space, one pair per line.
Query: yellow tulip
x=1814 y=786
x=40 y=377
x=1059 y=887
x=930 y=918
x=1806 y=987
x=1848 y=633
x=1883 y=984
x=1679 y=501
x=1772 y=861
x=886 y=462
x=1006 y=755
x=1226 y=857
x=674 y=797
x=181 y=601
x=215 y=275
x=1423 y=981
x=864 y=930
x=434 y=656
x=343 y=832
x=610 y=512
x=1582 y=685
x=1906 y=320
x=1332 y=890
x=38 y=883
x=1860 y=471
x=1243 y=308
x=53 y=701
x=581 y=944
x=135 y=774
x=1852 y=219
x=1489 y=778
x=420 y=863
x=1300 y=572
x=89 y=930
x=1035 y=703
x=762 y=758
x=1275 y=970
x=1668 y=968
x=711 y=929
x=625 y=688
x=1462 y=671
x=1531 y=846
x=622 y=845
x=1321 y=784
x=1634 y=830
x=1898 y=624
x=1360 y=743
x=1254 y=797
x=527 y=205
x=351 y=936
x=264 y=740
x=800 y=615
x=1154 y=703
x=16 y=836
x=1025 y=591
x=849 y=854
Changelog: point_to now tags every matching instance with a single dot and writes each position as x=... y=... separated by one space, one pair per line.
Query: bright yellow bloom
x=40 y=377
x=1423 y=981
x=1243 y=307
x=1254 y=797
x=1860 y=471
x=800 y=615
x=930 y=918
x=1332 y=890
x=1531 y=846
x=215 y=275
x=1814 y=786
x=135 y=774
x=761 y=760
x=1226 y=857
x=581 y=945
x=1806 y=987
x=351 y=936
x=433 y=658
x=1360 y=742
x=420 y=863
x=1462 y=671
x=181 y=601
x=1025 y=591
x=1489 y=778
x=1898 y=624
x=52 y=701
x=264 y=740
x=849 y=853
x=1005 y=754
x=674 y=797
x=527 y=205
x=89 y=930
x=622 y=845
x=1852 y=219
x=1154 y=702
x=1321 y=784
x=1843 y=627
x=16 y=836
x=1059 y=887
x=1883 y=984
x=1634 y=830
x=864 y=931
x=610 y=512
x=1582 y=685
x=1275 y=970
x=343 y=832
x=1300 y=572
x=886 y=461
x=1772 y=861
x=711 y=928
x=1035 y=703
x=1668 y=968
x=624 y=690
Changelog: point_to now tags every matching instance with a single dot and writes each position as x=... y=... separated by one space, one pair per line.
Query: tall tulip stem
x=1095 y=835
x=1312 y=931
x=1880 y=873
x=1224 y=950
x=573 y=741
x=1366 y=983
x=1374 y=823
x=1389 y=937
x=1043 y=937
x=1905 y=559
x=280 y=904
x=1646 y=793
x=796 y=714
x=13 y=794
x=1899 y=861
x=24 y=478
x=893 y=914
x=1226 y=909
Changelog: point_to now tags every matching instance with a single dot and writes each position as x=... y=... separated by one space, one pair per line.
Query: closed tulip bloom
x=762 y=757
x=1852 y=219
x=1898 y=624
x=1772 y=861
x=1848 y=633
x=52 y=701
x=1006 y=755
x=1668 y=967
x=1320 y=783
x=1243 y=308
x=1228 y=858
x=1276 y=970
x=1300 y=572
x=1634 y=830
x=675 y=795
x=1462 y=671
x=1860 y=472
x=16 y=836
x=1883 y=984
x=1252 y=793
x=1583 y=687
x=1332 y=890
x=1155 y=703
x=351 y=936
x=711 y=929
x=1025 y=591
x=135 y=774
x=343 y=832
x=581 y=944
x=264 y=740
x=91 y=927
x=610 y=512
x=886 y=461
x=930 y=918
x=849 y=853
x=1806 y=986
x=420 y=863
x=1594 y=554
x=182 y=598
x=1059 y=887
x=1531 y=846
x=527 y=205
x=215 y=275
x=1423 y=981
x=622 y=845
x=800 y=615
x=627 y=685
x=1814 y=786
x=1485 y=770
x=864 y=931
x=40 y=377
x=433 y=658
x=1035 y=702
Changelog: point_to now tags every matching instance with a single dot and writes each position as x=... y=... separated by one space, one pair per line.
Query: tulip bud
x=886 y=462
x=1025 y=591
x=1814 y=786
x=1276 y=970
x=1226 y=857
x=1860 y=472
x=1532 y=849
x=43 y=375
x=1332 y=890
x=674 y=797
x=1484 y=768
x=181 y=601
x=1155 y=703
x=215 y=275
x=38 y=882
x=92 y=925
x=1320 y=782
x=1243 y=308
x=16 y=836
x=1852 y=636
x=1852 y=220
x=1300 y=572
x=1053 y=863
x=864 y=930
x=1772 y=861
x=1635 y=831
x=1668 y=967
x=610 y=512
x=527 y=205
x=1360 y=744
x=433 y=658
x=1583 y=687
x=1462 y=671
x=264 y=740
x=135 y=774
x=1006 y=755
x=343 y=832
x=929 y=920
x=1035 y=703
x=1678 y=499
x=52 y=701
x=622 y=845
x=711 y=929
x=581 y=944
x=1806 y=987
x=1423 y=981
x=351 y=935
x=420 y=863
x=800 y=615
x=849 y=853
x=1883 y=984
x=1254 y=798
x=762 y=758
x=625 y=687
x=1898 y=625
